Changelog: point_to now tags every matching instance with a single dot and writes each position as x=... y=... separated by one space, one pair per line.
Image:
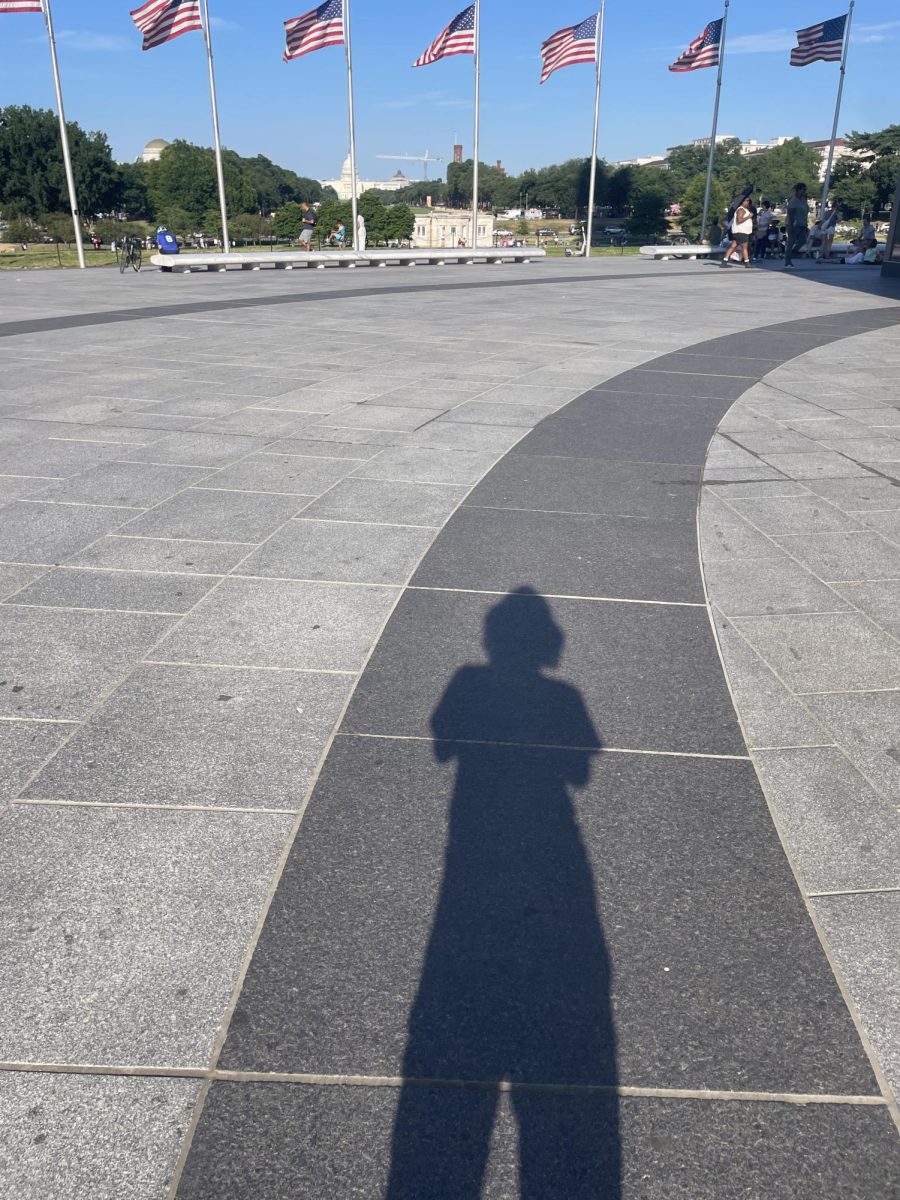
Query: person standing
x=309 y=224
x=361 y=234
x=797 y=223
x=763 y=221
x=741 y=233
x=829 y=228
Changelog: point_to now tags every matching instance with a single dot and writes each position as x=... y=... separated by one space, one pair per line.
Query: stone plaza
x=449 y=734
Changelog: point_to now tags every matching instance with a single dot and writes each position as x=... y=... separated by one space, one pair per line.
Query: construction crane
x=424 y=159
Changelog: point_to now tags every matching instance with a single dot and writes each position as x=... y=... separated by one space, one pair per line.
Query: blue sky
x=296 y=113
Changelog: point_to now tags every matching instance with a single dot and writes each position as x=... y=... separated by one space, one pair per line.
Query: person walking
x=797 y=223
x=763 y=221
x=309 y=224
x=741 y=233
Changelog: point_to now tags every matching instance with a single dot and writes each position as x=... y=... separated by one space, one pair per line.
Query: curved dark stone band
x=567 y=881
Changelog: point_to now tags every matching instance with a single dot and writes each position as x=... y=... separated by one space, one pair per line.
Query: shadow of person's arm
x=582 y=733
x=445 y=720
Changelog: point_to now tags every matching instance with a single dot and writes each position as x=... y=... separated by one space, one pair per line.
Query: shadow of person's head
x=520 y=633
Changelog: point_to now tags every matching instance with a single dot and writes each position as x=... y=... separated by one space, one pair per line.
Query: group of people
x=337 y=237
x=750 y=233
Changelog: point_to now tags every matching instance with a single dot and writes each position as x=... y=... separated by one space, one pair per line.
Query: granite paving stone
x=340 y=1141
x=68 y=587
x=871 y=493
x=862 y=934
x=35 y=532
x=824 y=652
x=200 y=736
x=650 y=381
x=418 y=464
x=451 y=435
x=388 y=502
x=879 y=599
x=439 y=396
x=290 y=474
x=549 y=484
x=12 y=578
x=760 y=586
x=73 y=1136
x=569 y=554
x=869 y=450
x=402 y=978
x=23 y=747
x=256 y=423
x=134 y=485
x=14 y=487
x=338 y=441
x=481 y=412
x=887 y=523
x=819 y=465
x=55 y=459
x=781 y=441
x=841 y=833
x=217 y=514
x=348 y=551
x=375 y=416
x=770 y=714
x=867 y=726
x=648 y=697
x=728 y=537
x=281 y=623
x=161 y=554
x=199 y=449
x=846 y=556
x=90 y=651
x=126 y=966
x=793 y=514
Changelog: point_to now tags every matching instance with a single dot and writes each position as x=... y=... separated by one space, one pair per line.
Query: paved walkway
x=524 y=926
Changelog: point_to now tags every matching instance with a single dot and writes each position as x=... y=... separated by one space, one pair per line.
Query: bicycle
x=130 y=255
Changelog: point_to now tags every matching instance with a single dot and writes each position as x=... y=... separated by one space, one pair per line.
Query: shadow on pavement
x=516 y=980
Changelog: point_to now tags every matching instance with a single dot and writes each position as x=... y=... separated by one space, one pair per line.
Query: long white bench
x=289 y=260
x=693 y=251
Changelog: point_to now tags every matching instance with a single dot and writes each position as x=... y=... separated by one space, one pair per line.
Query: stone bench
x=689 y=251
x=292 y=259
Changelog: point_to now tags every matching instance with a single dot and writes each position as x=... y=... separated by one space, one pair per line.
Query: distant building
x=344 y=185
x=153 y=150
x=442 y=228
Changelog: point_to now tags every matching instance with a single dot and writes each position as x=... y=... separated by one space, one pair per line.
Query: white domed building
x=153 y=150
x=344 y=185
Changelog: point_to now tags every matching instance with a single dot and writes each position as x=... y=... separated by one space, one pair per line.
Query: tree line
x=179 y=190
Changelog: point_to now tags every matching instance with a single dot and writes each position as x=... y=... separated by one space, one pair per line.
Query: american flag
x=21 y=6
x=323 y=26
x=703 y=51
x=162 y=20
x=574 y=44
x=820 y=43
x=457 y=38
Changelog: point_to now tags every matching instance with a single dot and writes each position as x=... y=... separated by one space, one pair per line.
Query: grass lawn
x=43 y=258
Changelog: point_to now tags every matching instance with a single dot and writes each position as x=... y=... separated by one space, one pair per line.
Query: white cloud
x=777 y=41
x=226 y=26
x=84 y=39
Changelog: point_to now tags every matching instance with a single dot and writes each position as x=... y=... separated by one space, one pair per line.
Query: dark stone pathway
x=538 y=936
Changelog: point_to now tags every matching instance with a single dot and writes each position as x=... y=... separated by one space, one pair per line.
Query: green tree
x=133 y=199
x=250 y=227
x=32 y=175
x=59 y=226
x=331 y=214
x=400 y=222
x=692 y=205
x=685 y=162
x=288 y=221
x=775 y=172
x=853 y=190
x=648 y=217
x=375 y=215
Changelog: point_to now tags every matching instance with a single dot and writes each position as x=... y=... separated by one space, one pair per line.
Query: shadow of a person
x=515 y=983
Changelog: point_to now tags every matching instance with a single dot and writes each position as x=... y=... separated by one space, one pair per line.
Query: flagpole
x=64 y=135
x=352 y=124
x=475 y=162
x=598 y=55
x=837 y=112
x=715 y=125
x=220 y=174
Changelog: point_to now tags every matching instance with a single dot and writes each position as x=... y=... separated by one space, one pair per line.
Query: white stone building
x=344 y=185
x=442 y=229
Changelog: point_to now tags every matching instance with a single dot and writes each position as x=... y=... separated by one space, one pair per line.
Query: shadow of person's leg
x=568 y=1145
x=441 y=1143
